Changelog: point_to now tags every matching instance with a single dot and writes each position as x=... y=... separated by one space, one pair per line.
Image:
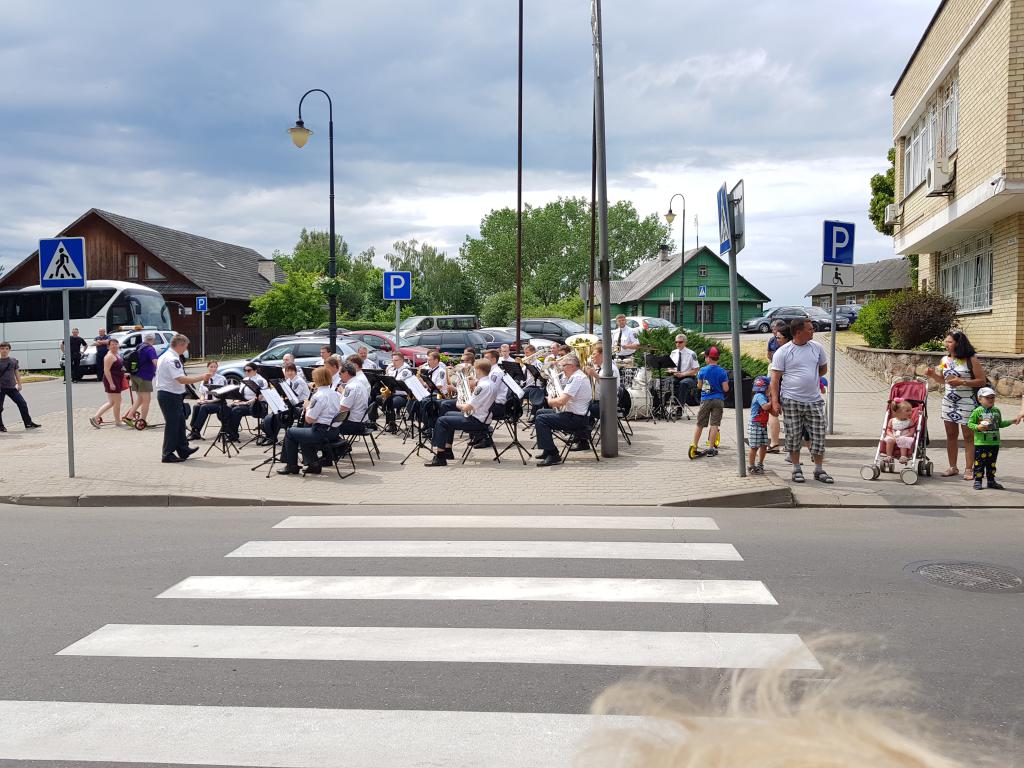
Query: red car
x=383 y=341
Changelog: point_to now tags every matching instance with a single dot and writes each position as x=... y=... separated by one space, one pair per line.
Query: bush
x=499 y=309
x=919 y=317
x=874 y=323
x=663 y=340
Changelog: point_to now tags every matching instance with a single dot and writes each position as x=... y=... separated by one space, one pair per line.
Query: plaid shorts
x=801 y=418
x=757 y=435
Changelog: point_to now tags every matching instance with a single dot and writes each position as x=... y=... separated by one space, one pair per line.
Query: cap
x=712 y=353
x=986 y=392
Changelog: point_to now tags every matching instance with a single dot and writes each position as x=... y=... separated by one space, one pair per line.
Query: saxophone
x=555 y=385
x=462 y=387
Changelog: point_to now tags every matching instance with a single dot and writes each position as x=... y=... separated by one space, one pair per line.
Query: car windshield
x=409 y=323
x=572 y=327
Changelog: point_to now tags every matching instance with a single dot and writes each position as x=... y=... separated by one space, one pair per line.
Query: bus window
x=33 y=307
x=88 y=303
x=138 y=308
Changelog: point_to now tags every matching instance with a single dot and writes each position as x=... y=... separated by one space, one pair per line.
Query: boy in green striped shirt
x=986 y=421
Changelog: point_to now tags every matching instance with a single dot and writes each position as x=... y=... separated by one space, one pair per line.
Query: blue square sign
x=838 y=243
x=62 y=262
x=201 y=304
x=398 y=286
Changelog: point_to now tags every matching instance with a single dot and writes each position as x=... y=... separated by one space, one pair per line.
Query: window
x=429 y=340
x=965 y=273
x=702 y=270
x=278 y=353
x=704 y=313
x=133 y=266
x=933 y=135
x=303 y=351
x=951 y=116
x=550 y=329
x=666 y=312
x=152 y=274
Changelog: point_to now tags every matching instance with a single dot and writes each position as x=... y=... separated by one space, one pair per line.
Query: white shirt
x=323 y=407
x=168 y=370
x=483 y=399
x=256 y=379
x=402 y=373
x=355 y=399
x=370 y=364
x=684 y=359
x=623 y=336
x=799 y=365
x=335 y=380
x=578 y=389
x=501 y=389
x=203 y=390
x=596 y=383
x=299 y=387
x=362 y=377
x=439 y=376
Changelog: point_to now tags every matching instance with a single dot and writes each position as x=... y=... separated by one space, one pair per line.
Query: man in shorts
x=713 y=384
x=797 y=368
x=142 y=380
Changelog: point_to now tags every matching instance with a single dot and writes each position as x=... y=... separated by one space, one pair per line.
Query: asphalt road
x=67 y=573
x=48 y=397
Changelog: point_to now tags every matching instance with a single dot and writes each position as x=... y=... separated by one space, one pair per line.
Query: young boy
x=713 y=383
x=985 y=422
x=757 y=431
x=10 y=386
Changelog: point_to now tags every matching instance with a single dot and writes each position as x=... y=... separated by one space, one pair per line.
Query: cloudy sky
x=176 y=113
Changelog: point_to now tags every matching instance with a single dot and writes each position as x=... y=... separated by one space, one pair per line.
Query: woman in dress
x=961 y=374
x=113 y=385
x=780 y=335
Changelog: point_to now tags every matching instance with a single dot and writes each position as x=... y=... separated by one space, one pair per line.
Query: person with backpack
x=757 y=430
x=140 y=363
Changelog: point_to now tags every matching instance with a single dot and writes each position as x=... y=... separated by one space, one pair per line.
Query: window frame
x=966 y=272
x=132 y=265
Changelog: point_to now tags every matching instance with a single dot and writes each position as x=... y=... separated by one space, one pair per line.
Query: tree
x=883 y=193
x=499 y=309
x=439 y=284
x=312 y=254
x=292 y=305
x=556 y=247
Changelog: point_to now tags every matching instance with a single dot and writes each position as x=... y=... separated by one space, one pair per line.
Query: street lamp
x=670 y=217
x=300 y=135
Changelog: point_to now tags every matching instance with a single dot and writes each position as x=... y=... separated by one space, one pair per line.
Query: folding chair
x=489 y=433
x=336 y=448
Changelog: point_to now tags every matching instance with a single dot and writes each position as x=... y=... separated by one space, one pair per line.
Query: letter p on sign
x=398 y=286
x=838 y=242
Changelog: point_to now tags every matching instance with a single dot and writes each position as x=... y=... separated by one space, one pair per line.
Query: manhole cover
x=970 y=577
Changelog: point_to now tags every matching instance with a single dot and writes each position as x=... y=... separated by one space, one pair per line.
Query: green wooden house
x=652 y=290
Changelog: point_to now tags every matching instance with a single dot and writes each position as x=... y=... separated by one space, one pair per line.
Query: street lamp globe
x=300 y=134
x=670 y=217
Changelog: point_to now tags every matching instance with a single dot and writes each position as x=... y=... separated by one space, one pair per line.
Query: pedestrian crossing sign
x=62 y=262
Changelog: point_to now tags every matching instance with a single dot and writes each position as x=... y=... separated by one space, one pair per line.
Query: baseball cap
x=986 y=392
x=712 y=353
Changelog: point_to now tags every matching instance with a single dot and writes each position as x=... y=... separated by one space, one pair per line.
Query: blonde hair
x=845 y=718
x=322 y=377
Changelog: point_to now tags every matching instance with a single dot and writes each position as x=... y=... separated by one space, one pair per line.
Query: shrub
x=662 y=340
x=874 y=322
x=499 y=309
x=919 y=317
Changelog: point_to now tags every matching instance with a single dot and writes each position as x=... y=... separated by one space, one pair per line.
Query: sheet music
x=226 y=390
x=415 y=386
x=290 y=394
x=273 y=400
x=513 y=385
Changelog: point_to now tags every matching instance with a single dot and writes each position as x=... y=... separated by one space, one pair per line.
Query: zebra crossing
x=320 y=737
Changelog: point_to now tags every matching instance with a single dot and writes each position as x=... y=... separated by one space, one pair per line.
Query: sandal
x=823 y=477
x=968 y=474
x=773 y=448
x=798 y=473
x=950 y=472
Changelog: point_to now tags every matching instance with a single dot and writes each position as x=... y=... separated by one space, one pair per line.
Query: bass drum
x=641 y=400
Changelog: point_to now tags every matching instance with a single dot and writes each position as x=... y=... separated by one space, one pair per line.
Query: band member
x=593 y=371
x=474 y=417
x=252 y=384
x=272 y=421
x=501 y=389
x=78 y=345
x=532 y=382
x=505 y=354
x=320 y=412
x=333 y=364
x=686 y=369
x=464 y=367
x=357 y=361
x=289 y=359
x=467 y=362
x=10 y=386
x=325 y=353
x=208 y=402
x=170 y=396
x=368 y=363
x=624 y=341
x=437 y=372
x=395 y=400
x=355 y=400
x=575 y=400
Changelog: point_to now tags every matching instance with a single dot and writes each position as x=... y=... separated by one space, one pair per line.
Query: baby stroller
x=915 y=392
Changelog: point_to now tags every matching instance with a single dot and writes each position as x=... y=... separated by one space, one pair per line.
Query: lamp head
x=670 y=217
x=664 y=251
x=300 y=134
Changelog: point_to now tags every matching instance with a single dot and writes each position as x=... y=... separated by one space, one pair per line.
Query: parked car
x=447 y=342
x=129 y=341
x=419 y=323
x=498 y=336
x=554 y=328
x=641 y=323
x=384 y=342
x=763 y=324
x=307 y=354
x=311 y=332
x=850 y=311
x=822 y=319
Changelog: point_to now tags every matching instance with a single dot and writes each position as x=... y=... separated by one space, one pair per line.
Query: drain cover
x=970 y=577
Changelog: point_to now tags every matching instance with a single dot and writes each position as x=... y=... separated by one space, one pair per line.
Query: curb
x=838 y=441
x=85 y=500
x=781 y=496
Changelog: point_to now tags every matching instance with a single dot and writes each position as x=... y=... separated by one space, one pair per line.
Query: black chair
x=367 y=436
x=567 y=438
x=471 y=443
x=335 y=449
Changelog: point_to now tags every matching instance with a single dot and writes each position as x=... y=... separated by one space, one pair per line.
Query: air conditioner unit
x=937 y=178
x=892 y=214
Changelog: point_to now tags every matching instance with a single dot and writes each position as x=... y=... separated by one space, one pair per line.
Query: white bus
x=32 y=319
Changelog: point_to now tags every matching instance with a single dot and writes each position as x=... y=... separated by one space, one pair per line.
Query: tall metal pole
x=68 y=408
x=609 y=395
x=593 y=223
x=682 y=267
x=832 y=365
x=737 y=367
x=519 y=192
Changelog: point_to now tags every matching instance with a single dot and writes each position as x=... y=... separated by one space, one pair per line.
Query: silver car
x=307 y=354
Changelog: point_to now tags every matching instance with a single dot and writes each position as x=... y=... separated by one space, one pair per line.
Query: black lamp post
x=670 y=217
x=300 y=135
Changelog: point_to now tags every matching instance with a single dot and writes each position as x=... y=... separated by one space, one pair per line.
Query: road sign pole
x=832 y=365
x=398 y=326
x=68 y=382
x=737 y=367
x=202 y=334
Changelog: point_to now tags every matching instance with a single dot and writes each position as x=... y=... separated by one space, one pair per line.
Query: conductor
x=170 y=396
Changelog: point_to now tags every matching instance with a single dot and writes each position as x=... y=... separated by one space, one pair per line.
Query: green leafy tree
x=556 y=247
x=292 y=305
x=439 y=284
x=313 y=252
x=499 y=309
x=883 y=193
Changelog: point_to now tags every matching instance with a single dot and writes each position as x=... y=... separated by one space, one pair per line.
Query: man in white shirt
x=624 y=340
x=322 y=409
x=400 y=371
x=497 y=376
x=249 y=404
x=207 y=403
x=289 y=359
x=573 y=418
x=170 y=396
x=593 y=371
x=505 y=354
x=272 y=421
x=686 y=366
x=366 y=362
x=797 y=367
x=472 y=417
x=355 y=400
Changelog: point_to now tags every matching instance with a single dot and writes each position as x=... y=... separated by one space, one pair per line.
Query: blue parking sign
x=201 y=304
x=838 y=242
x=398 y=286
x=62 y=262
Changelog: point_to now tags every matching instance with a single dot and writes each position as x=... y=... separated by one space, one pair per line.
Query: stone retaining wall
x=1006 y=372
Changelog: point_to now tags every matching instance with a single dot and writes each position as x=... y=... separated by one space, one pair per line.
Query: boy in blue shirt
x=713 y=383
x=757 y=430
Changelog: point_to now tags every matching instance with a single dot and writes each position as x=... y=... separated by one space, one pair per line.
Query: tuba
x=583 y=345
x=554 y=387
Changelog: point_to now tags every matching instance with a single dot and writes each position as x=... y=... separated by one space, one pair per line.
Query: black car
x=850 y=311
x=763 y=324
x=822 y=319
x=448 y=342
x=551 y=328
x=498 y=336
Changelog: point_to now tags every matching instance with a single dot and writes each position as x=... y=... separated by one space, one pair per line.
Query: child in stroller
x=899 y=432
x=905 y=427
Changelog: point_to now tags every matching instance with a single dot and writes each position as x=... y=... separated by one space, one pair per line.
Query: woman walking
x=780 y=336
x=113 y=384
x=961 y=374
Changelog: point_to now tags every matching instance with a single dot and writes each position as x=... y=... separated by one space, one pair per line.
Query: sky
x=176 y=113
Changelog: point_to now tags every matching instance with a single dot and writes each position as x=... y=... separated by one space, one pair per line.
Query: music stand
x=271 y=373
x=221 y=442
x=515 y=370
x=661 y=363
x=421 y=392
x=512 y=424
x=279 y=404
x=255 y=388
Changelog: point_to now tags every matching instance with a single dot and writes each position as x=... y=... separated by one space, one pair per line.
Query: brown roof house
x=870 y=281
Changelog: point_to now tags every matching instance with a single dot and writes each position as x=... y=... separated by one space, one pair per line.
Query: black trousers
x=172 y=408
x=447 y=425
x=985 y=461
x=18 y=400
x=201 y=412
x=548 y=421
x=306 y=439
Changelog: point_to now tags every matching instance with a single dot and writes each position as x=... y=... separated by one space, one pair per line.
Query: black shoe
x=32 y=425
x=584 y=446
x=172 y=459
x=438 y=461
x=288 y=471
x=448 y=454
x=194 y=436
x=995 y=486
x=313 y=469
x=264 y=441
x=549 y=461
x=541 y=455
x=3 y=428
x=187 y=452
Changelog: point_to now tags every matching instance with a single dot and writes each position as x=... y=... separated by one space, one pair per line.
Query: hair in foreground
x=770 y=718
